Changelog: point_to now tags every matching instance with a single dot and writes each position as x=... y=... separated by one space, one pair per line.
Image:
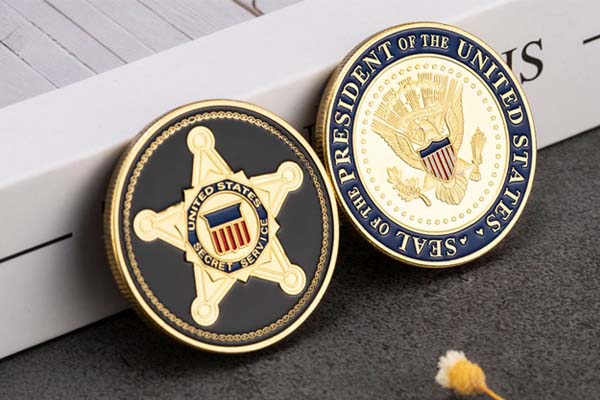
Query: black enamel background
x=247 y=306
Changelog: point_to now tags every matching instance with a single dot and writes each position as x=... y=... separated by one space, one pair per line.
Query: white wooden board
x=47 y=44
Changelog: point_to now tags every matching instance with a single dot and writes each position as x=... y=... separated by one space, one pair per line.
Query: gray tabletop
x=529 y=313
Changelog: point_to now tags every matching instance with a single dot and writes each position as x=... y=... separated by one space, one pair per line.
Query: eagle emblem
x=422 y=122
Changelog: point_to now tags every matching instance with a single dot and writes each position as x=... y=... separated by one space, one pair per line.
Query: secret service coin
x=221 y=226
x=430 y=143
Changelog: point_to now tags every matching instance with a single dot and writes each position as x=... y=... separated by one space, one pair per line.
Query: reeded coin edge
x=113 y=243
x=322 y=129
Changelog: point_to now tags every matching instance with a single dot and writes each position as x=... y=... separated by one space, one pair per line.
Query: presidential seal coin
x=221 y=226
x=430 y=143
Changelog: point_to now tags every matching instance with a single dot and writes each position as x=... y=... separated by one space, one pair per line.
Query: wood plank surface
x=39 y=50
x=67 y=34
x=47 y=44
x=197 y=18
x=111 y=35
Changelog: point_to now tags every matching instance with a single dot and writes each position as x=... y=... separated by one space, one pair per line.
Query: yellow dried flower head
x=456 y=372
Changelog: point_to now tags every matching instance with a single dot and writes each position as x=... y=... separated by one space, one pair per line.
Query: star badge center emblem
x=226 y=226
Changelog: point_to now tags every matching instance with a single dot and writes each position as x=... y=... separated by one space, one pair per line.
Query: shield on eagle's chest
x=439 y=158
x=228 y=229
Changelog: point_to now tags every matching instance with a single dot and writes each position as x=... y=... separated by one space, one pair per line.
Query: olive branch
x=409 y=189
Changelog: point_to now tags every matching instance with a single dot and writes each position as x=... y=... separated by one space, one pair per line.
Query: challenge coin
x=430 y=143
x=221 y=226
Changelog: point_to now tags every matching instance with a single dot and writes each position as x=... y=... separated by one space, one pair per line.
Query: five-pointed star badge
x=228 y=227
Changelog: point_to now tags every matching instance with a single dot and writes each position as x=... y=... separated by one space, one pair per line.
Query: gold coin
x=430 y=143
x=221 y=226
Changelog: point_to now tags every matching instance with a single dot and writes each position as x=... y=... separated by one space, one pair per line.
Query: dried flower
x=464 y=377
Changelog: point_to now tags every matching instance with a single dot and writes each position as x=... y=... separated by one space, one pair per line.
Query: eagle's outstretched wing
x=398 y=143
x=454 y=118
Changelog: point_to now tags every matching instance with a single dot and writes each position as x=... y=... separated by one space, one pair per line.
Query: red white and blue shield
x=228 y=229
x=439 y=158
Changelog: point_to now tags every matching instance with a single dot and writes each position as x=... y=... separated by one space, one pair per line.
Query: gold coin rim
x=114 y=248
x=322 y=142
